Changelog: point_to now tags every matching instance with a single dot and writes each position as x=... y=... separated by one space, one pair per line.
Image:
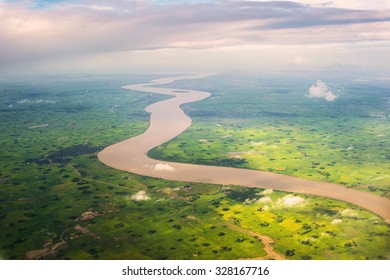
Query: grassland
x=254 y=124
x=57 y=201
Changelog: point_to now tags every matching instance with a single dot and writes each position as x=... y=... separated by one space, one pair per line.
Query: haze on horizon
x=54 y=36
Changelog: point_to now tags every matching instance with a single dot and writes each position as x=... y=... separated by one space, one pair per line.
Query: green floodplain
x=57 y=201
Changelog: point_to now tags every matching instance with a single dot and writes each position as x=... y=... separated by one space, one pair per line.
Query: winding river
x=168 y=120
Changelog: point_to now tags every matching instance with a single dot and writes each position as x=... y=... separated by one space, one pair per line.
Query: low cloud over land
x=141 y=195
x=290 y=200
x=321 y=90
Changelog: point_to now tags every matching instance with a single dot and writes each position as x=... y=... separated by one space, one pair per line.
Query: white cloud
x=321 y=90
x=141 y=195
x=337 y=221
x=290 y=200
x=163 y=167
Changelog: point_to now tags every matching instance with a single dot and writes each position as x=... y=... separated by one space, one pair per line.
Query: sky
x=45 y=36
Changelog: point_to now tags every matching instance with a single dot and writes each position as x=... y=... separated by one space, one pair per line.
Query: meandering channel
x=168 y=120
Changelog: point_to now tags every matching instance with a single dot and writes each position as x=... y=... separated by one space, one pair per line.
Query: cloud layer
x=88 y=31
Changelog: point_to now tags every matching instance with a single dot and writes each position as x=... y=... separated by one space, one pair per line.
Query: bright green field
x=50 y=176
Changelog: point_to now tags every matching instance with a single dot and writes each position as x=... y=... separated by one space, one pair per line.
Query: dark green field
x=57 y=201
